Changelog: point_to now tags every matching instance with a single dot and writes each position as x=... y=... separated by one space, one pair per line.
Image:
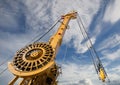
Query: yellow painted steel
x=35 y=63
x=56 y=39
x=102 y=75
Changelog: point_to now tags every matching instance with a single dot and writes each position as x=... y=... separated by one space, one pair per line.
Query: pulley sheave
x=33 y=57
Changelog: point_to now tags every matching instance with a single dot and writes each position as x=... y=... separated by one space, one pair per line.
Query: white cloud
x=111 y=55
x=10 y=12
x=114 y=75
x=81 y=82
x=112 y=13
x=5 y=78
x=97 y=31
x=76 y=74
x=110 y=47
x=85 y=82
x=82 y=48
x=114 y=83
x=86 y=9
x=8 y=20
x=113 y=42
x=73 y=74
x=37 y=14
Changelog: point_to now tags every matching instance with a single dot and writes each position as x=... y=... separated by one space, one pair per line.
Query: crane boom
x=56 y=39
x=35 y=63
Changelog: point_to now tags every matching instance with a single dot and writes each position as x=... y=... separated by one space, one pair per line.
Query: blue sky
x=21 y=21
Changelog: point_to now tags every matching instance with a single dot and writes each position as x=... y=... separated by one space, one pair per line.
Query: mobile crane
x=35 y=63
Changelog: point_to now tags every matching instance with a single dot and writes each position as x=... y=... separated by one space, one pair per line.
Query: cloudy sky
x=22 y=20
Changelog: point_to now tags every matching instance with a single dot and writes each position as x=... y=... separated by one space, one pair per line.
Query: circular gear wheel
x=33 y=57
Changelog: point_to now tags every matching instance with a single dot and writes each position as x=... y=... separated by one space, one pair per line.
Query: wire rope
x=3 y=71
x=65 y=54
x=92 y=49
x=87 y=46
x=3 y=64
x=33 y=40
x=5 y=61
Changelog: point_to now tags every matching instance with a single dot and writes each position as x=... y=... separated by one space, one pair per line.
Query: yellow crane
x=35 y=63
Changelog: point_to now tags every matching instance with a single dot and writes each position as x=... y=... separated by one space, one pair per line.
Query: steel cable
x=5 y=61
x=92 y=49
x=45 y=32
x=92 y=56
x=3 y=71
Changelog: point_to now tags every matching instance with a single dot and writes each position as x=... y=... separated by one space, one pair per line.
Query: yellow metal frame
x=49 y=72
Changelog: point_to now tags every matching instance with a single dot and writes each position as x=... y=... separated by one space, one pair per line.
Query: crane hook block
x=102 y=75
